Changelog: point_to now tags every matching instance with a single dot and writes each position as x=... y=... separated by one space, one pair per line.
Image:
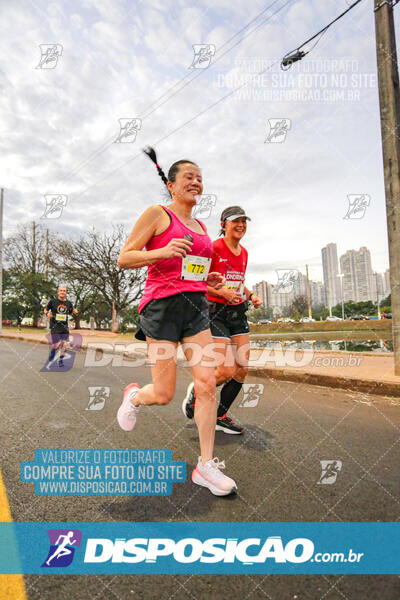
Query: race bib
x=61 y=317
x=195 y=268
x=235 y=285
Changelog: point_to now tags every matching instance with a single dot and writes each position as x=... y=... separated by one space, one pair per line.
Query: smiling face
x=62 y=292
x=187 y=185
x=236 y=229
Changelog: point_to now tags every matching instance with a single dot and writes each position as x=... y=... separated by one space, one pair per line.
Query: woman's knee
x=205 y=385
x=241 y=373
x=224 y=373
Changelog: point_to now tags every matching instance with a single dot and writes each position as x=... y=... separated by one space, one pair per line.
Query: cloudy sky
x=131 y=60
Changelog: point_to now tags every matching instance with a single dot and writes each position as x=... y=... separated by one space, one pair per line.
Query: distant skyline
x=61 y=126
x=274 y=278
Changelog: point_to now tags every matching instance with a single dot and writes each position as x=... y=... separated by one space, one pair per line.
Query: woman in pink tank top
x=177 y=252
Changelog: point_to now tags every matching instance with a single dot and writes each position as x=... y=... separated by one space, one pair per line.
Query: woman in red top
x=177 y=251
x=228 y=322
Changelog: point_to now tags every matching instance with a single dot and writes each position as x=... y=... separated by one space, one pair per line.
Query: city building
x=318 y=295
x=379 y=286
x=359 y=282
x=330 y=271
x=272 y=299
x=386 y=278
x=358 y=278
x=261 y=290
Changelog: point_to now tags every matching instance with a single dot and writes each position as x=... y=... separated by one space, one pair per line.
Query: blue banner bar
x=208 y=548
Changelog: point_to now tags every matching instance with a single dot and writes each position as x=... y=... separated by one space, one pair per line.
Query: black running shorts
x=174 y=318
x=57 y=337
x=227 y=320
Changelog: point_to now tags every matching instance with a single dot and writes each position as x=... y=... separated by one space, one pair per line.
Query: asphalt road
x=276 y=465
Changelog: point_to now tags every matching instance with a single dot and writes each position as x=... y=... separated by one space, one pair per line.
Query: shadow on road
x=254 y=438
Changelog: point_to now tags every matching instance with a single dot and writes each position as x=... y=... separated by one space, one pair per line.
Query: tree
x=129 y=316
x=26 y=258
x=298 y=308
x=352 y=308
x=100 y=311
x=257 y=314
x=319 y=311
x=91 y=261
x=386 y=304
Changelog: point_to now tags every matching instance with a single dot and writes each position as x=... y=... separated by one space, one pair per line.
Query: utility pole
x=377 y=295
x=308 y=294
x=1 y=260
x=33 y=247
x=341 y=275
x=47 y=256
x=389 y=101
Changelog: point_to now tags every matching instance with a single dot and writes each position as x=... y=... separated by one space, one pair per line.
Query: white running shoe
x=189 y=401
x=210 y=476
x=127 y=412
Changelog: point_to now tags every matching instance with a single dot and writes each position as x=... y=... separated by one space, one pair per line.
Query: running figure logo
x=358 y=204
x=128 y=130
x=97 y=397
x=286 y=280
x=54 y=206
x=278 y=129
x=330 y=470
x=203 y=54
x=251 y=394
x=62 y=547
x=74 y=344
x=50 y=53
x=204 y=206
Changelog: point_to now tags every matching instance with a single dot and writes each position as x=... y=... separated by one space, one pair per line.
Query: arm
x=132 y=255
x=229 y=295
x=47 y=310
x=251 y=297
x=214 y=292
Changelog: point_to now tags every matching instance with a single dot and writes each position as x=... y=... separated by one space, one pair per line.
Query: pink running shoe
x=127 y=412
x=210 y=476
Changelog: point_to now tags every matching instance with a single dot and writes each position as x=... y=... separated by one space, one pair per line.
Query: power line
x=298 y=54
x=186 y=122
x=144 y=115
x=180 y=127
x=229 y=49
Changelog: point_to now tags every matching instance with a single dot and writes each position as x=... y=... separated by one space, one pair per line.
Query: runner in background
x=57 y=310
x=228 y=321
x=174 y=309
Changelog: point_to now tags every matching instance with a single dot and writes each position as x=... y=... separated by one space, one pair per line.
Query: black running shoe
x=226 y=425
x=60 y=362
x=189 y=401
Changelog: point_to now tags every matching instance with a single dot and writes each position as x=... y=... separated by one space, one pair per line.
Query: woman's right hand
x=176 y=247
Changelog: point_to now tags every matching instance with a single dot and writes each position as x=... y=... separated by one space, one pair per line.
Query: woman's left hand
x=215 y=280
x=257 y=302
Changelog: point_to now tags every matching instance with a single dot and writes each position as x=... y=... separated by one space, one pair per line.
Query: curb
x=381 y=388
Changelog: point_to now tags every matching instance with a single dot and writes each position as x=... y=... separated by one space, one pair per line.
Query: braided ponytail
x=151 y=153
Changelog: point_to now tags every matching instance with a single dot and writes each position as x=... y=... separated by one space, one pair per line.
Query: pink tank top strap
x=167 y=277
